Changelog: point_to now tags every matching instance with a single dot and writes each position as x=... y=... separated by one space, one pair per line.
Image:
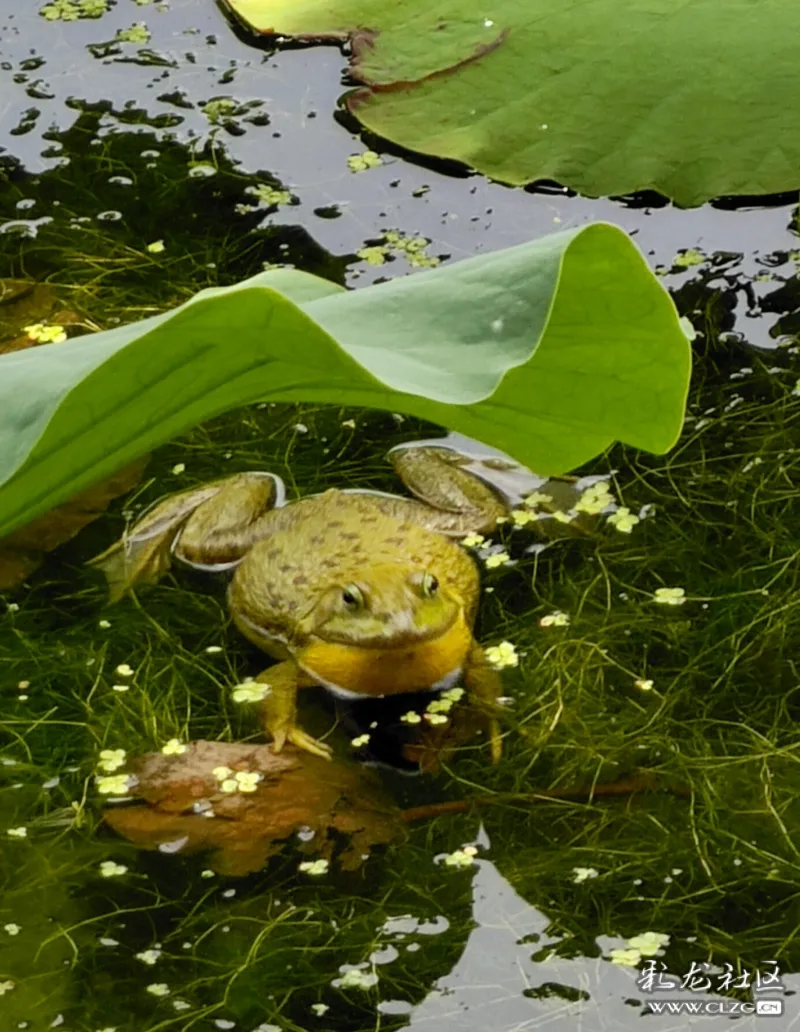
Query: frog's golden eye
x=353 y=597
x=429 y=585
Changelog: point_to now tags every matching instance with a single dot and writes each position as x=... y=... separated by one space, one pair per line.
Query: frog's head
x=386 y=606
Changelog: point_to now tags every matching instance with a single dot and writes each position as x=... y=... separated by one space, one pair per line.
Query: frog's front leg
x=211 y=526
x=483 y=684
x=279 y=708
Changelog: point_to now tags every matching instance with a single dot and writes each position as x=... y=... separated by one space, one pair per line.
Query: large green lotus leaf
x=550 y=351
x=693 y=98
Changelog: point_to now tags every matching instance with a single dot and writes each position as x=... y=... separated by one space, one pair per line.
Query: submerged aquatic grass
x=701 y=696
x=664 y=648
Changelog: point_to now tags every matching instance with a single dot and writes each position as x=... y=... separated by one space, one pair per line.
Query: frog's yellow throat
x=356 y=670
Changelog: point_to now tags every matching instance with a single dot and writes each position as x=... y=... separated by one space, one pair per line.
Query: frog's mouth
x=400 y=631
x=415 y=664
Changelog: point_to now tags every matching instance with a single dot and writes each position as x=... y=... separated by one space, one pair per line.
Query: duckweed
x=137 y=33
x=361 y=162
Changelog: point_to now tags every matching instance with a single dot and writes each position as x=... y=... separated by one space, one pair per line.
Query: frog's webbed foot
x=210 y=526
x=279 y=709
x=302 y=740
x=143 y=553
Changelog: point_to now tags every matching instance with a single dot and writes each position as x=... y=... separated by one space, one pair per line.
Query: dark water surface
x=105 y=148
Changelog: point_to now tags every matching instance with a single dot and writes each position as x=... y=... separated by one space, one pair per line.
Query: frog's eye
x=429 y=585
x=352 y=597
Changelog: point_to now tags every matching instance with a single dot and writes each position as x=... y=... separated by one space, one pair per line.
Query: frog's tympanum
x=365 y=593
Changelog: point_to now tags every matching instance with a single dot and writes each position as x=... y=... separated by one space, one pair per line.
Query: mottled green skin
x=319 y=545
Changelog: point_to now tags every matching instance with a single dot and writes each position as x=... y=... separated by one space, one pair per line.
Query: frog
x=364 y=593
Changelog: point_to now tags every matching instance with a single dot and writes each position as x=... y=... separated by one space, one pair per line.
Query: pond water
x=108 y=147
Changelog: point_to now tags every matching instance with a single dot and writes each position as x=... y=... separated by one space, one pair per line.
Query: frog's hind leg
x=455 y=501
x=225 y=511
x=223 y=529
x=279 y=708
